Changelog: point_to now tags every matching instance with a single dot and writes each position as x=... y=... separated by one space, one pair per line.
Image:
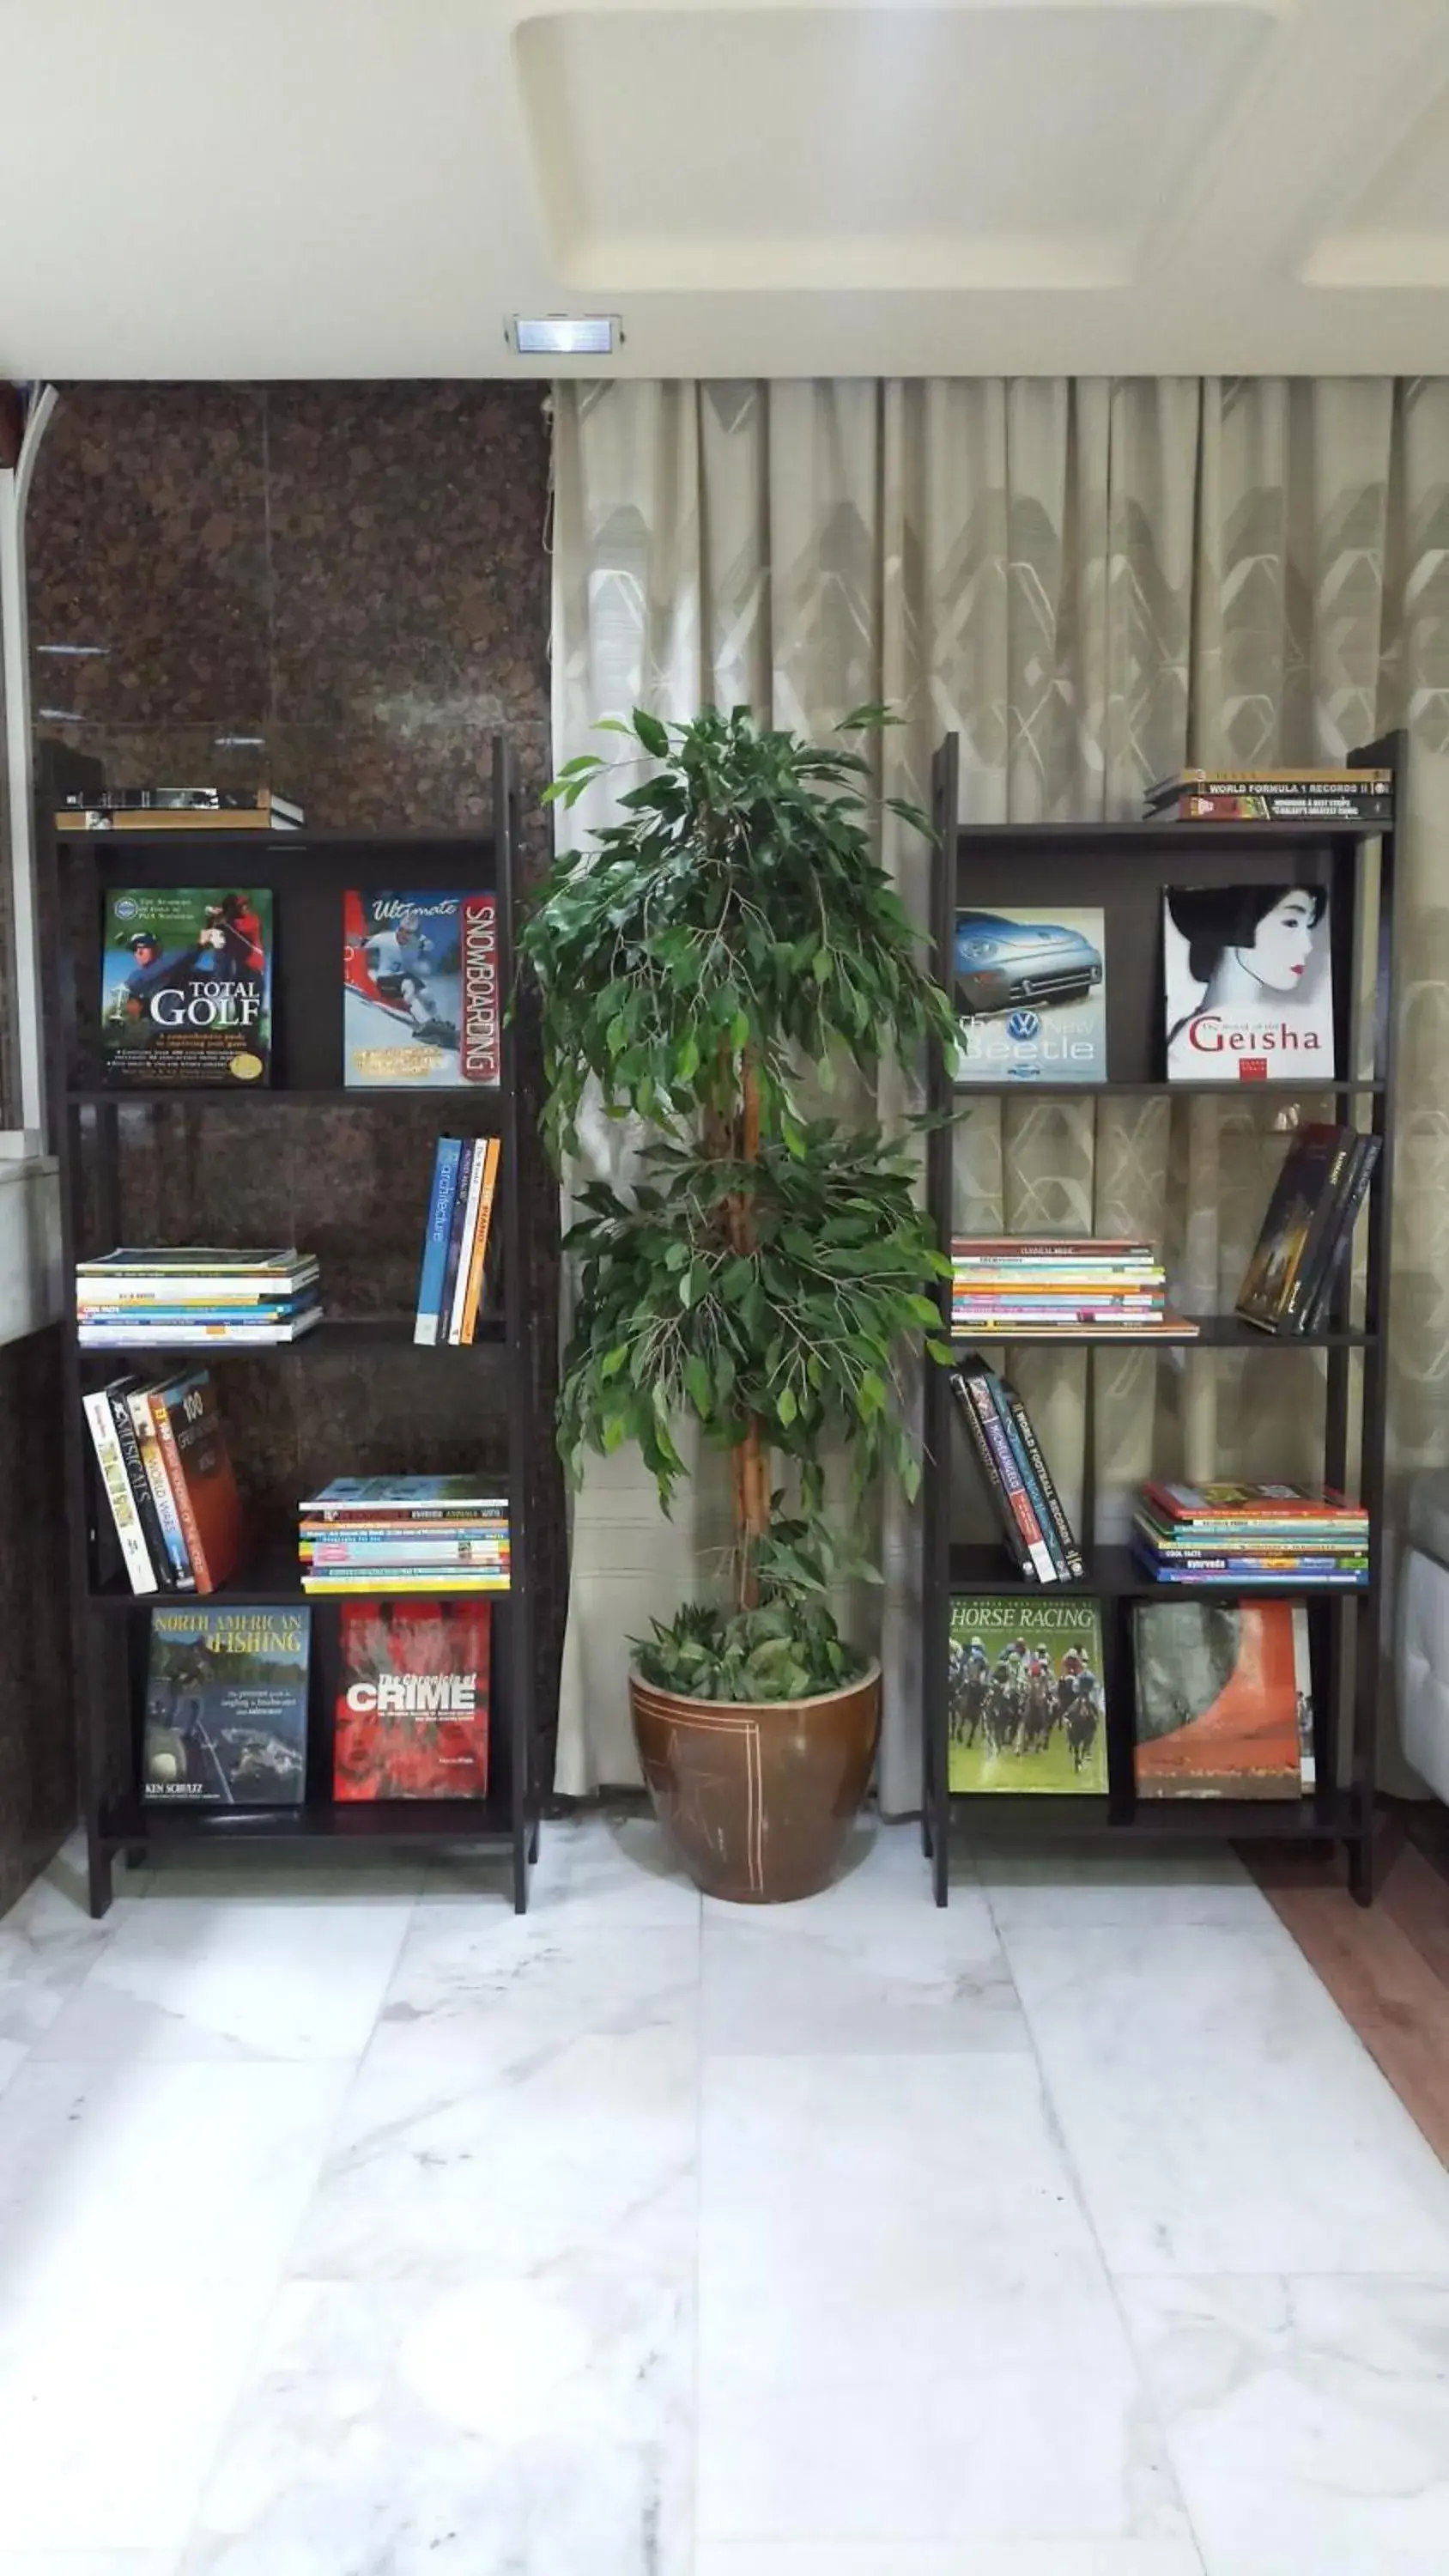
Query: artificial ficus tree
x=728 y=936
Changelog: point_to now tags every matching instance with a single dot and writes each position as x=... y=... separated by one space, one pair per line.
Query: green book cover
x=1025 y=1701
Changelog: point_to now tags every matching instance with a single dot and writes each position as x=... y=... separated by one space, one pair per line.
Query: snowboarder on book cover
x=399 y=958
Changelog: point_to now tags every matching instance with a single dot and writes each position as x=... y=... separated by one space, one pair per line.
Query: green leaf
x=697 y=1385
x=652 y=734
x=871 y=1394
x=614 y=1360
x=821 y=967
x=686 y=1063
x=785 y=1405
x=740 y=1029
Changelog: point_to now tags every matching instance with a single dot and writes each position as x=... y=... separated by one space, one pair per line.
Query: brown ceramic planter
x=758 y=1798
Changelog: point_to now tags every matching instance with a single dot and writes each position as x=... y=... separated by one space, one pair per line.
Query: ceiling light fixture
x=566 y=335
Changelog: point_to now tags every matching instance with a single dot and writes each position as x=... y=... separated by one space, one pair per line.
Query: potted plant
x=726 y=943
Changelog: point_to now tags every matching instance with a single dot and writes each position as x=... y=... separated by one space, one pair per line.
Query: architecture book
x=420 y=999
x=1031 y=995
x=226 y=1707
x=1224 y=1698
x=412 y=1705
x=1025 y=1699
x=1248 y=983
x=186 y=987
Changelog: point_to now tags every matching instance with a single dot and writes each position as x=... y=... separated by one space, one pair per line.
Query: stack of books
x=1077 y=1283
x=1273 y=1536
x=385 y=1534
x=180 y=809
x=1273 y=796
x=455 y=1247
x=192 y=1293
x=168 y=1481
x=1303 y=1248
x=1017 y=1478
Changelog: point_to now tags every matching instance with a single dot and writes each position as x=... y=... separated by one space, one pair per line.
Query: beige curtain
x=1089 y=581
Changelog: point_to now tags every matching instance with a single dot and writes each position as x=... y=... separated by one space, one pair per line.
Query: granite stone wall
x=343 y=588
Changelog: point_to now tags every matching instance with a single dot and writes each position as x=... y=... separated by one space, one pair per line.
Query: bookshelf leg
x=533 y=1841
x=926 y=1831
x=99 y=1887
x=520 y=1875
x=941 y=1866
x=136 y=1855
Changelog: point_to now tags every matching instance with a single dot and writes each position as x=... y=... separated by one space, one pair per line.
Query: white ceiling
x=256 y=188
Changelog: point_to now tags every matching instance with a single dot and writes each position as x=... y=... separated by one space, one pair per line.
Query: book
x=470 y=1201
x=1284 y=1268
x=972 y=1385
x=1340 y=1245
x=193 y=1448
x=138 y=1275
x=418 y=1497
x=186 y=986
x=163 y=1570
x=184 y=1333
x=179 y=809
x=226 y=1707
x=1222 y=1503
x=482 y=1229
x=1305 y=782
x=178 y=1570
x=1025 y=1703
x=1223 y=1696
x=1277 y=805
x=1061 y=1533
x=1031 y=995
x=1248 y=983
x=116 y=1485
x=420 y=991
x=412 y=1706
x=457 y=1228
x=427 y=1326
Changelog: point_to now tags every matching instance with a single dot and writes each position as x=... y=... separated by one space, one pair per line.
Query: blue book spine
x=1007 y=1419
x=435 y=1241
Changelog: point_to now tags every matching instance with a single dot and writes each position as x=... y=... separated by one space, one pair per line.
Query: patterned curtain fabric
x=1090 y=582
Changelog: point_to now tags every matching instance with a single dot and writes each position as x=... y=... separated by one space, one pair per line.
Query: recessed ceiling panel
x=1000 y=144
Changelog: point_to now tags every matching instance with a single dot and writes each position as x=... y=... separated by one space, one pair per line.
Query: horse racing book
x=226 y=1707
x=420 y=998
x=1224 y=1698
x=1025 y=1705
x=412 y=1706
x=186 y=986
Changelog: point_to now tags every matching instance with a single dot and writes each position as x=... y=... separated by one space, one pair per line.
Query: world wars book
x=1025 y=1705
x=1223 y=1698
x=186 y=987
x=226 y=1707
x=412 y=1705
x=1248 y=983
x=420 y=998
x=1031 y=995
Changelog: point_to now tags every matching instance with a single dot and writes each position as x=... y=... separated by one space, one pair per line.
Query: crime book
x=1031 y=995
x=412 y=1701
x=1248 y=983
x=226 y=1707
x=1025 y=1704
x=1224 y=1698
x=420 y=998
x=186 y=987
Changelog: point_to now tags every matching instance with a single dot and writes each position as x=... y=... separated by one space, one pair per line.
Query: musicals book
x=1249 y=983
x=226 y=1708
x=420 y=1000
x=1224 y=1698
x=186 y=986
x=1031 y=995
x=1025 y=1709
x=412 y=1709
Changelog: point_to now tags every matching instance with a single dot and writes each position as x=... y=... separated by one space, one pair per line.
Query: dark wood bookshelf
x=1123 y=868
x=307 y=873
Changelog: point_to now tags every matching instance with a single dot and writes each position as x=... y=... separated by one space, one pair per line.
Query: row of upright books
x=168 y=1480
x=456 y=1239
x=396 y=1534
x=1222 y=1699
x=196 y=1293
x=1304 y=1247
x=227 y=1696
x=1024 y=1288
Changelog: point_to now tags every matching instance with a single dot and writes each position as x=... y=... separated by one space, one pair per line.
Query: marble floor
x=351 y=2227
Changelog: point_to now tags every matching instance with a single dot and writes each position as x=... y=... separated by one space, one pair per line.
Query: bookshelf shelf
x=1123 y=868
x=307 y=873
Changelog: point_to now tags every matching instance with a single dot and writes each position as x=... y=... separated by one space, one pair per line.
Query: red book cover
x=199 y=1472
x=412 y=1701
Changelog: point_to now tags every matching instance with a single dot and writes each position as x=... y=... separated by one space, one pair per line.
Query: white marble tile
x=47 y=1946
x=322 y=1875
x=529 y=2421
x=894 y=2221
x=1008 y=2455
x=946 y=2558
x=1219 y=2112
x=619 y=1872
x=89 y=2562
x=528 y=2099
x=1308 y=2419
x=206 y=1979
x=883 y=1875
x=1062 y=1886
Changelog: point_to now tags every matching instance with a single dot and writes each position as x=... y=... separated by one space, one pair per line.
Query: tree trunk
x=751 y=1458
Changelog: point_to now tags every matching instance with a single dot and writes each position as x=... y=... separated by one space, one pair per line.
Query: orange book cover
x=1224 y=1698
x=492 y=1157
x=193 y=1446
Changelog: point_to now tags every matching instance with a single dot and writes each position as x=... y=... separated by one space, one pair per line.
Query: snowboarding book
x=186 y=987
x=1025 y=1708
x=412 y=1710
x=1031 y=996
x=1224 y=1698
x=226 y=1707
x=1249 y=983
x=420 y=998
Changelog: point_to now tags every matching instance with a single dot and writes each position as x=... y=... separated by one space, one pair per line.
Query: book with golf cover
x=186 y=987
x=1224 y=1698
x=1249 y=983
x=1025 y=1707
x=420 y=999
x=1031 y=995
x=226 y=1707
